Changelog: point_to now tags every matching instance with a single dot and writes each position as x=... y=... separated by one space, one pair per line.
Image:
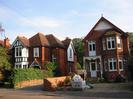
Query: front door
x=93 y=69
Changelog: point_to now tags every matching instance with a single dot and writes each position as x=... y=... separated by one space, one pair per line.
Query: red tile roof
x=38 y=40
x=53 y=41
x=24 y=40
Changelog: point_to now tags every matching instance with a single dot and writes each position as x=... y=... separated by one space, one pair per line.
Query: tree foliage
x=131 y=42
x=78 y=45
x=130 y=59
x=4 y=58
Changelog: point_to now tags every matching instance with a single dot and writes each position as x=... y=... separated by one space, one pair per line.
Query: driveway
x=37 y=92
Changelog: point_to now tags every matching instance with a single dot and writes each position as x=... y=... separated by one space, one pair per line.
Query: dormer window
x=36 y=52
x=111 y=43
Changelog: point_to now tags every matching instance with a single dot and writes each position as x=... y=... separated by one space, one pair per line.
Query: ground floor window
x=112 y=64
x=25 y=66
x=18 y=66
x=121 y=64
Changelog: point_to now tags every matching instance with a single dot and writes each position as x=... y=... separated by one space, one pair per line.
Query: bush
x=78 y=66
x=120 y=78
x=19 y=75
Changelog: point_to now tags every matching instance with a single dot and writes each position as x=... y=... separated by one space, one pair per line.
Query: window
x=92 y=46
x=104 y=44
x=18 y=51
x=24 y=66
x=36 y=52
x=93 y=66
x=111 y=43
x=70 y=54
x=53 y=58
x=112 y=64
x=119 y=42
x=120 y=64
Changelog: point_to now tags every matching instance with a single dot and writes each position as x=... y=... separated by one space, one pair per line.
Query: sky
x=62 y=18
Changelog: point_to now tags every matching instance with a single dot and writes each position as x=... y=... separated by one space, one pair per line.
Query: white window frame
x=19 y=49
x=92 y=44
x=36 y=52
x=112 y=60
x=111 y=39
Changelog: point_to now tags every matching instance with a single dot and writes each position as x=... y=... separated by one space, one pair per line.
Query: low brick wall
x=50 y=84
x=28 y=83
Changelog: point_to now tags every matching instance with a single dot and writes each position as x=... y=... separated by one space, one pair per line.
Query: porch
x=93 y=66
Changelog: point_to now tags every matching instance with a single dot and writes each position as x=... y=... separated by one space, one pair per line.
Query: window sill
x=111 y=48
x=112 y=70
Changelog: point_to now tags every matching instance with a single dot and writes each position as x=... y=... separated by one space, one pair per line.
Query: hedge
x=19 y=75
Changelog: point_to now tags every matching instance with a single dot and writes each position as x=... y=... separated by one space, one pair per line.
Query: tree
x=131 y=42
x=130 y=59
x=78 y=45
x=4 y=59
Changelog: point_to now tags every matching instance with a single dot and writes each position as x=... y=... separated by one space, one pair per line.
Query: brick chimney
x=6 y=43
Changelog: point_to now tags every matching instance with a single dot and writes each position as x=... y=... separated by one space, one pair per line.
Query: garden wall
x=50 y=84
x=29 y=83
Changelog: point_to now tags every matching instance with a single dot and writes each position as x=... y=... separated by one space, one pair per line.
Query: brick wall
x=28 y=83
x=50 y=84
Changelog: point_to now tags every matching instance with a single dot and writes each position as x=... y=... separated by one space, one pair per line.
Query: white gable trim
x=70 y=52
x=103 y=25
x=15 y=43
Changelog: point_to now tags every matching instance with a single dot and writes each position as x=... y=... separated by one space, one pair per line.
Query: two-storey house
x=40 y=49
x=106 y=49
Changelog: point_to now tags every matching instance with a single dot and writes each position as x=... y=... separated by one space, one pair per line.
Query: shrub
x=19 y=75
x=78 y=66
x=120 y=78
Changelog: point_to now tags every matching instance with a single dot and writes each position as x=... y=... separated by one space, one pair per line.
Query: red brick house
x=39 y=49
x=106 y=49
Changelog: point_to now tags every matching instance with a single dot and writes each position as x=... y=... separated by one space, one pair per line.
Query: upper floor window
x=111 y=43
x=18 y=51
x=92 y=46
x=119 y=42
x=112 y=64
x=36 y=52
x=18 y=43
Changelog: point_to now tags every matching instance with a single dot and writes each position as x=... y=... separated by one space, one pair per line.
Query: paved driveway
x=37 y=92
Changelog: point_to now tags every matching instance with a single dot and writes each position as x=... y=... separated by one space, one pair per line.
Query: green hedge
x=19 y=75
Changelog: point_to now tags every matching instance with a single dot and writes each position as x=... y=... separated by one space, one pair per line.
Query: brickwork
x=28 y=83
